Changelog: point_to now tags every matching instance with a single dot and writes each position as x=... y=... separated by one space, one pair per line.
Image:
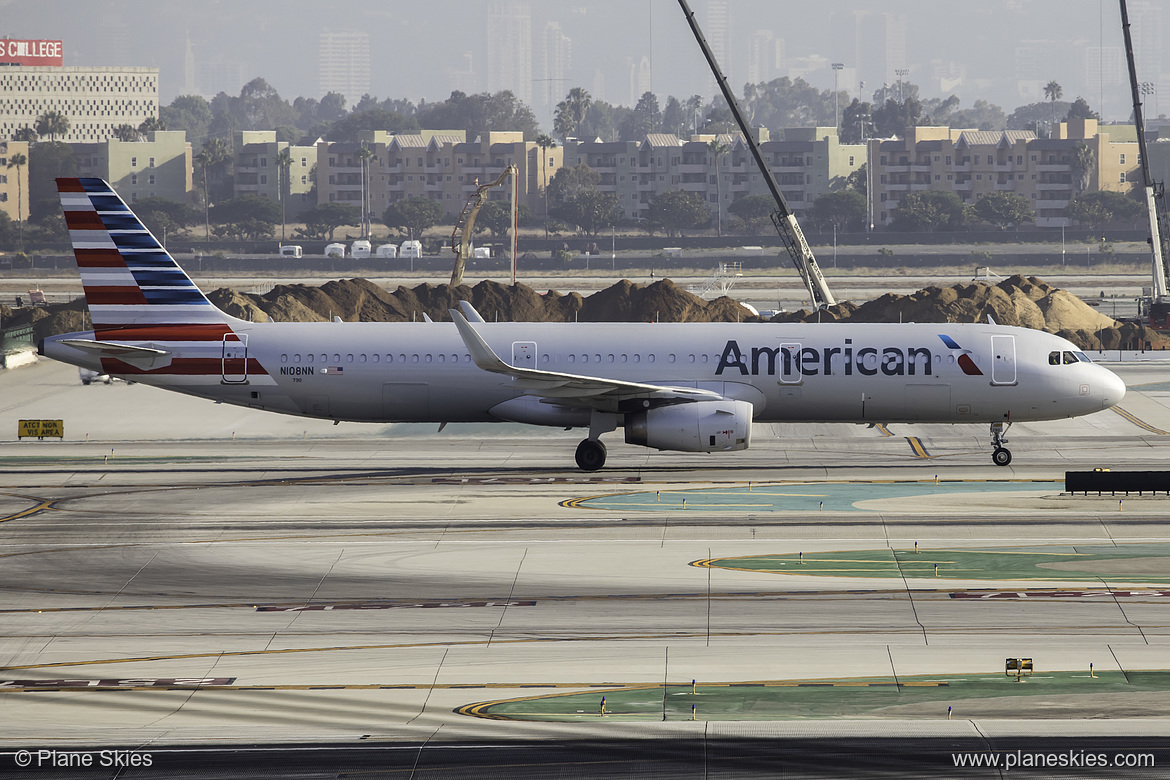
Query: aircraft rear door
x=1003 y=360
x=235 y=359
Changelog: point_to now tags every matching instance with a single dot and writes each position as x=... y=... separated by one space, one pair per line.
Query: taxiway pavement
x=200 y=573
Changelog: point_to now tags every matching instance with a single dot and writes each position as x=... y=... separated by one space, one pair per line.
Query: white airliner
x=689 y=387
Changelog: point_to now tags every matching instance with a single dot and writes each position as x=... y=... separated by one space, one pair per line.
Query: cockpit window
x=1067 y=358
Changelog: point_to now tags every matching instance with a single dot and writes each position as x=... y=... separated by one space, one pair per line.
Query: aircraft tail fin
x=130 y=280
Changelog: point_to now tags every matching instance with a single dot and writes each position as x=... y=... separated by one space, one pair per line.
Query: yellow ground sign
x=41 y=428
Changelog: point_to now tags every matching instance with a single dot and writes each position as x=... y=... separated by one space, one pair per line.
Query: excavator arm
x=461 y=235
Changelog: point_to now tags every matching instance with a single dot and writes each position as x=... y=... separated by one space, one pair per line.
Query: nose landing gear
x=1000 y=455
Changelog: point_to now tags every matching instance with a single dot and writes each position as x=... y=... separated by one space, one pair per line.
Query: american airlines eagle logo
x=965 y=361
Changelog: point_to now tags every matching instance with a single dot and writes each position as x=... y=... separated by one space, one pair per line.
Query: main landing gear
x=1000 y=455
x=590 y=455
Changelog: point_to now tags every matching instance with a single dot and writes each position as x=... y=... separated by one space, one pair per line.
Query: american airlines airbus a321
x=690 y=387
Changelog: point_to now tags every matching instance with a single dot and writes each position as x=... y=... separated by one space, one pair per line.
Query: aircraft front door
x=235 y=359
x=1003 y=360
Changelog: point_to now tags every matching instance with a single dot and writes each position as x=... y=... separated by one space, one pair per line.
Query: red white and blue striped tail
x=130 y=280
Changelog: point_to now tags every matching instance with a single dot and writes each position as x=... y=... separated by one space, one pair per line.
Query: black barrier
x=1114 y=482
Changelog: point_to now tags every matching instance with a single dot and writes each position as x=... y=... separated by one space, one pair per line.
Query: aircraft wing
x=597 y=392
x=139 y=357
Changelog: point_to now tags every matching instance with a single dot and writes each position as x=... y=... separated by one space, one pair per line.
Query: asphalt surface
x=199 y=575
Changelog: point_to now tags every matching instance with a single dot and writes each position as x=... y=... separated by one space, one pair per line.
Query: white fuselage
x=406 y=372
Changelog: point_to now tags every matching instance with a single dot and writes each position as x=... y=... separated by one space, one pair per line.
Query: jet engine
x=698 y=426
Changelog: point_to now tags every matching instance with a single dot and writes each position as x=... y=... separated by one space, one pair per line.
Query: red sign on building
x=24 y=52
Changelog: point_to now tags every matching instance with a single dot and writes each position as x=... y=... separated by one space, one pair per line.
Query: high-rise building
x=343 y=64
x=761 y=56
x=717 y=30
x=1146 y=26
x=639 y=79
x=556 y=57
x=95 y=100
x=509 y=39
x=895 y=25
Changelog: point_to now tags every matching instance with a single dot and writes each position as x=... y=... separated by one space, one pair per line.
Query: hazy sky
x=1001 y=48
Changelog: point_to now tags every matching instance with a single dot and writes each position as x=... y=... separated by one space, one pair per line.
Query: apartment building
x=807 y=163
x=96 y=100
x=258 y=171
x=972 y=164
x=14 y=181
x=158 y=167
x=437 y=164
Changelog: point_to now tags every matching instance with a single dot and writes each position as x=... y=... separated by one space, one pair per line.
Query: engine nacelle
x=699 y=426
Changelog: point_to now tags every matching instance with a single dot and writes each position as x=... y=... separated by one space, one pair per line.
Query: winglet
x=470 y=312
x=481 y=353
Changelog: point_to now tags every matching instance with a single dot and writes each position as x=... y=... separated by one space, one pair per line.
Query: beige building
x=14 y=181
x=159 y=167
x=807 y=163
x=973 y=163
x=437 y=164
x=258 y=171
x=96 y=100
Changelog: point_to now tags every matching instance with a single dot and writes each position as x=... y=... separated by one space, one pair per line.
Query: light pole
x=837 y=67
x=1149 y=88
x=901 y=72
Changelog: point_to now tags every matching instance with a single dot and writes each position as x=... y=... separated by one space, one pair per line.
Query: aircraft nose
x=1112 y=389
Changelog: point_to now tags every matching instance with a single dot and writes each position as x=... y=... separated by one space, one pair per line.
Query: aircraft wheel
x=590 y=455
x=1001 y=457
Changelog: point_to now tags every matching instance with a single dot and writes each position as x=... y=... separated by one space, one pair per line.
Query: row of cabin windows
x=442 y=357
x=573 y=358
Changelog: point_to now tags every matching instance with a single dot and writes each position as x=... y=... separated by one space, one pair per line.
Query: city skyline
x=1003 y=51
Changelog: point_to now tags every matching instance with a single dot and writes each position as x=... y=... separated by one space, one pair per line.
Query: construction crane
x=783 y=218
x=1159 y=302
x=461 y=235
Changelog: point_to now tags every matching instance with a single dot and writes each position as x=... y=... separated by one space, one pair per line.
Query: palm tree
x=26 y=134
x=1084 y=160
x=718 y=148
x=1053 y=92
x=545 y=142
x=571 y=111
x=126 y=133
x=52 y=124
x=283 y=163
x=18 y=161
x=151 y=124
x=364 y=155
x=214 y=152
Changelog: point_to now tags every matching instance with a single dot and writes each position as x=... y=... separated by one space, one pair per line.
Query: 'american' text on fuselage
x=810 y=361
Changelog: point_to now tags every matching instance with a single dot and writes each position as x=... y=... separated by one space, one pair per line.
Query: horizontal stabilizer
x=139 y=357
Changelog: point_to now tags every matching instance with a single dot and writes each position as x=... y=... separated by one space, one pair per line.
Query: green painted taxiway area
x=828 y=698
x=1132 y=563
x=802 y=496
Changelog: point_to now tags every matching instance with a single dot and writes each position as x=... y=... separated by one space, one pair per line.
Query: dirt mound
x=358 y=300
x=1024 y=301
x=47 y=320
